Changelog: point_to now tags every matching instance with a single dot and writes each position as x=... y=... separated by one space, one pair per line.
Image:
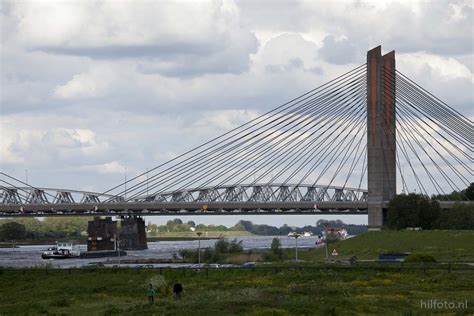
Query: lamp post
x=125 y=183
x=296 y=236
x=199 y=248
x=327 y=239
x=117 y=247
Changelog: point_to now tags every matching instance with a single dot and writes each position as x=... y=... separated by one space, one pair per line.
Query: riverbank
x=442 y=245
x=193 y=236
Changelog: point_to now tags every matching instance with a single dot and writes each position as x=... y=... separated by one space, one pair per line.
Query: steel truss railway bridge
x=340 y=148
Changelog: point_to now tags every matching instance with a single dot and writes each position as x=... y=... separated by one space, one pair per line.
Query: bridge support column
x=133 y=234
x=101 y=234
x=381 y=136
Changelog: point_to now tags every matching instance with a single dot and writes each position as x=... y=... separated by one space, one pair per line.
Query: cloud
x=203 y=36
x=89 y=87
x=92 y=84
x=337 y=51
x=111 y=167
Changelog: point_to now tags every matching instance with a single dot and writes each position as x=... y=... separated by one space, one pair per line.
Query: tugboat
x=61 y=251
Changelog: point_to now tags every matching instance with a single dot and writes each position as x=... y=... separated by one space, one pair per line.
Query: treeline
x=285 y=229
x=177 y=225
x=49 y=228
x=463 y=195
x=415 y=210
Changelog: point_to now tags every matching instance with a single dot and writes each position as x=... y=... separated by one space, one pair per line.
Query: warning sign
x=334 y=252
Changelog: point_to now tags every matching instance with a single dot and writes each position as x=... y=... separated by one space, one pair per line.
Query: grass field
x=454 y=245
x=227 y=292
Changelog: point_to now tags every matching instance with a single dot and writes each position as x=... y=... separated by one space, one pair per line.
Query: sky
x=90 y=89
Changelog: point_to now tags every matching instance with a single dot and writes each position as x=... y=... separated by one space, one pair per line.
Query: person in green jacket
x=151 y=294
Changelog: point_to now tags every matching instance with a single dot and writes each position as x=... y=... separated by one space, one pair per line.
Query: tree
x=412 y=210
x=276 y=248
x=178 y=221
x=12 y=231
x=235 y=246
x=469 y=192
x=461 y=216
x=221 y=246
x=248 y=225
x=191 y=223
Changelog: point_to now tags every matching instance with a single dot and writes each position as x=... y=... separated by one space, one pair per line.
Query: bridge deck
x=192 y=208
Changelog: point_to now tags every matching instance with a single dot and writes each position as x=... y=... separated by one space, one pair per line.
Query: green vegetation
x=51 y=228
x=442 y=245
x=177 y=226
x=192 y=235
x=285 y=229
x=466 y=194
x=221 y=250
x=416 y=210
x=231 y=292
x=420 y=257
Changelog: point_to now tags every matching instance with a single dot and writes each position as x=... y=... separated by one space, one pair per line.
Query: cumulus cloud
x=202 y=36
x=111 y=167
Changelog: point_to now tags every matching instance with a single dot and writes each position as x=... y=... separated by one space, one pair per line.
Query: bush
x=420 y=257
x=12 y=231
x=187 y=253
x=223 y=246
x=235 y=246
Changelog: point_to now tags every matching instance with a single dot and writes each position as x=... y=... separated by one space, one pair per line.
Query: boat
x=335 y=234
x=308 y=234
x=61 y=251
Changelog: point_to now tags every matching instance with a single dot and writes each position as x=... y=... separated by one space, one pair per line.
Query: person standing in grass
x=177 y=289
x=151 y=294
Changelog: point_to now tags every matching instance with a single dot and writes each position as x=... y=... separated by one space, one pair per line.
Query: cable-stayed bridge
x=347 y=146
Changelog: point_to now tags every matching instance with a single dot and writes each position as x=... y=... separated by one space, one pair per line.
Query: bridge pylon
x=381 y=135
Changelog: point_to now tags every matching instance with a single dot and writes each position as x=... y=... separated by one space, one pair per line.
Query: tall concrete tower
x=381 y=134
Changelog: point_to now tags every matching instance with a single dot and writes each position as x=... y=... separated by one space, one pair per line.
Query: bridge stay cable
x=412 y=125
x=135 y=196
x=227 y=135
x=285 y=154
x=289 y=131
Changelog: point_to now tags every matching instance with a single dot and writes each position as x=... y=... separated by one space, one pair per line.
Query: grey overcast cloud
x=89 y=88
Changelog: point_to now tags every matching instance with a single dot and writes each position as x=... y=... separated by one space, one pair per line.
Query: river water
x=30 y=256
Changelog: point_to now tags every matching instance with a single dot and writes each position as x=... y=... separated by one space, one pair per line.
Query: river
x=30 y=256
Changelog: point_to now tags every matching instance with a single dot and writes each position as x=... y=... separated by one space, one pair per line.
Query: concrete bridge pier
x=381 y=134
x=102 y=234
x=132 y=233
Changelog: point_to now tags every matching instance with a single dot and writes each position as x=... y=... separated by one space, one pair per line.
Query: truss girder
x=10 y=196
x=90 y=198
x=36 y=196
x=63 y=197
x=225 y=194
